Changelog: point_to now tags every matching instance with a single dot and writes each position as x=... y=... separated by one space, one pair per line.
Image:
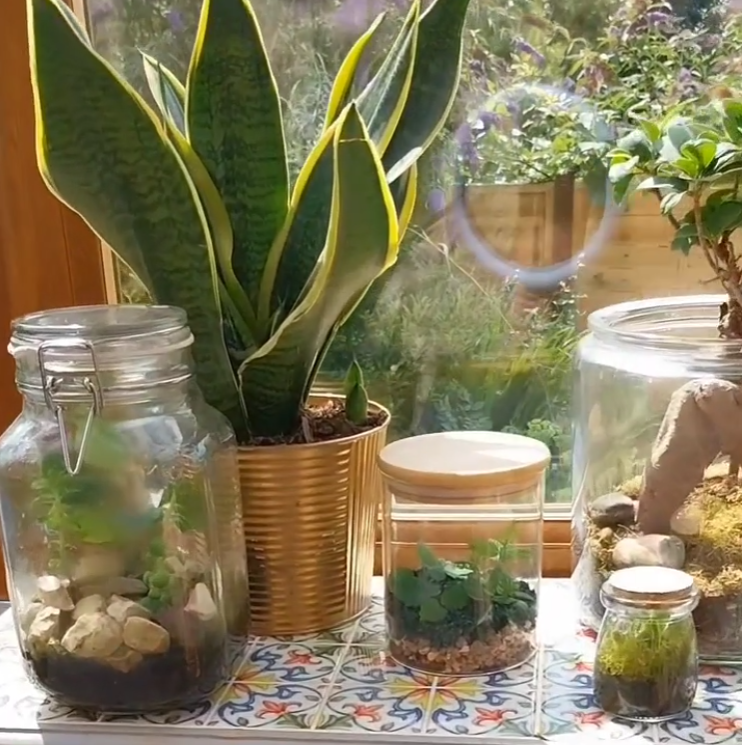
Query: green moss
x=646 y=649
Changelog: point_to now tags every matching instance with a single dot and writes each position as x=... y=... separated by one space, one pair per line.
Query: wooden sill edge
x=557 y=555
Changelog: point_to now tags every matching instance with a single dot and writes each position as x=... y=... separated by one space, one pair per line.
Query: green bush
x=446 y=351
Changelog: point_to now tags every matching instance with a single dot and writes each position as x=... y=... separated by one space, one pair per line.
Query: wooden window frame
x=556 y=555
x=49 y=258
x=557 y=561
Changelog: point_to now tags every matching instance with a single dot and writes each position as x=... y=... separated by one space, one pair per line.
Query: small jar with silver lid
x=120 y=502
x=646 y=662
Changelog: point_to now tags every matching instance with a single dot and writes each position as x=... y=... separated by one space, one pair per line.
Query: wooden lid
x=650 y=586
x=465 y=460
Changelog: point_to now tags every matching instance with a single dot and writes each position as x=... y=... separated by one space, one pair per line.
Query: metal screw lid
x=650 y=587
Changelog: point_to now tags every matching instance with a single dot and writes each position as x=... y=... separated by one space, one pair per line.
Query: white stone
x=96 y=563
x=122 y=609
x=201 y=604
x=44 y=628
x=194 y=568
x=649 y=550
x=114 y=586
x=29 y=614
x=176 y=566
x=89 y=604
x=53 y=592
x=94 y=635
x=146 y=636
x=124 y=659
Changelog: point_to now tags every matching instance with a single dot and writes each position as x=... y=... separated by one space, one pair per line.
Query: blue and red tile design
x=344 y=681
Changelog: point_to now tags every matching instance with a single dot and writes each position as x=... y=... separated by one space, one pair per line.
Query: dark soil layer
x=325 y=422
x=173 y=679
x=644 y=700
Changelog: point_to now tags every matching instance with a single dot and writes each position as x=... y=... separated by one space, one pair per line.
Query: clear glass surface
x=645 y=429
x=511 y=243
x=126 y=579
x=469 y=606
x=646 y=661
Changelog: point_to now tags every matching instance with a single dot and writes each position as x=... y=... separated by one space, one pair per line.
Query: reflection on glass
x=514 y=240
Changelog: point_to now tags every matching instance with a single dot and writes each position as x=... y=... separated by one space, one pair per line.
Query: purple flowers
x=658 y=20
x=521 y=46
x=100 y=10
x=687 y=85
x=175 y=19
x=436 y=201
x=488 y=119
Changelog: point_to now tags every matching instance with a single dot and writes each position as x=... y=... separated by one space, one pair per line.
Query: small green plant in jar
x=646 y=664
x=461 y=617
x=107 y=482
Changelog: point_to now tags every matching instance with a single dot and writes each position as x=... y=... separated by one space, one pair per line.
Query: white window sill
x=342 y=688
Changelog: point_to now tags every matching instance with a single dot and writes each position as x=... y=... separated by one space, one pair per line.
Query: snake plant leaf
x=434 y=80
x=362 y=242
x=382 y=101
x=343 y=86
x=102 y=152
x=77 y=27
x=169 y=95
x=242 y=313
x=298 y=245
x=404 y=196
x=295 y=255
x=404 y=193
x=167 y=91
x=234 y=124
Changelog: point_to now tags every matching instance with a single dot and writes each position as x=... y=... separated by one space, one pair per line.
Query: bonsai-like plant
x=196 y=198
x=450 y=607
x=646 y=666
x=694 y=165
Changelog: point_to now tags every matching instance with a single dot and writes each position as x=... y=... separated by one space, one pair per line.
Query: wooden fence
x=628 y=255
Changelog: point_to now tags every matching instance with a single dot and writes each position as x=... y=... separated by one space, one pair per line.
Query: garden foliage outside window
x=514 y=239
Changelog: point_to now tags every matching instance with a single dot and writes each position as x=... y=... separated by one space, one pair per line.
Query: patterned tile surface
x=344 y=682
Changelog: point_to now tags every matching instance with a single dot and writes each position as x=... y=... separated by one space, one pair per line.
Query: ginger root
x=703 y=421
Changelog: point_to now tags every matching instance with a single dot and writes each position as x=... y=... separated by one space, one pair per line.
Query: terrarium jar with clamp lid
x=646 y=663
x=120 y=511
x=462 y=549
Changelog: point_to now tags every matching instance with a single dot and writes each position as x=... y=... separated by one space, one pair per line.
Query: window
x=515 y=239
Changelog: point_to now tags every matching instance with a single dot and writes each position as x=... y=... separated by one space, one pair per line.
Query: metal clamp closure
x=51 y=385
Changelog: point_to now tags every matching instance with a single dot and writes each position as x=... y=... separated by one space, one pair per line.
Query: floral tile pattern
x=345 y=681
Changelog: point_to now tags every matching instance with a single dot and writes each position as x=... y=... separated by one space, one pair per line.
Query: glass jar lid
x=650 y=587
x=465 y=461
x=123 y=348
x=673 y=325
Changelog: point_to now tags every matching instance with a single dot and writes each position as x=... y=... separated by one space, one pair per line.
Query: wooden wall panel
x=48 y=256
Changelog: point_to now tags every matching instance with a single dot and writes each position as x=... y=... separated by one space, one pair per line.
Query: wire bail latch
x=52 y=385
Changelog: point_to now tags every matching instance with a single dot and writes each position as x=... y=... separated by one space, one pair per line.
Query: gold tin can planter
x=309 y=517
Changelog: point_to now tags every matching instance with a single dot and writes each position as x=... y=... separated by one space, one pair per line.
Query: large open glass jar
x=658 y=445
x=462 y=549
x=120 y=517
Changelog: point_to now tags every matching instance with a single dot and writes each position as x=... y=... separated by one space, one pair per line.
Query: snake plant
x=193 y=193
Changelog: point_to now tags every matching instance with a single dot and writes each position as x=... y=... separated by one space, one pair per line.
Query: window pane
x=514 y=240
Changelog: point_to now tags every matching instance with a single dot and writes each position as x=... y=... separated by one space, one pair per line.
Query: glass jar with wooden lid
x=462 y=549
x=646 y=664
